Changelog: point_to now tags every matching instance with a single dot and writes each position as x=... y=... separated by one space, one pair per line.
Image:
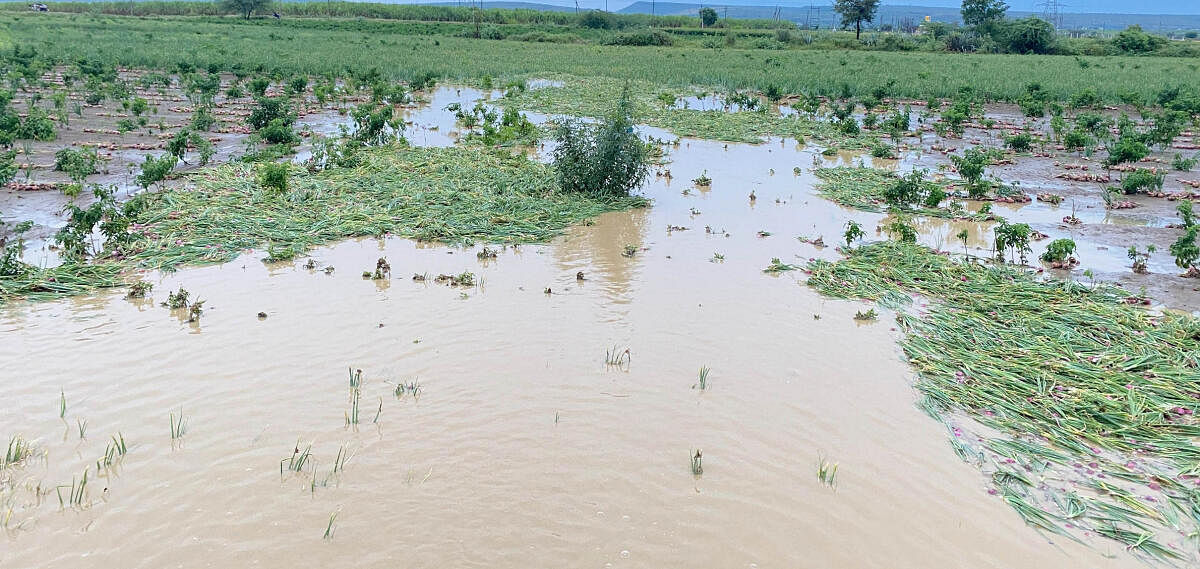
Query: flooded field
x=546 y=414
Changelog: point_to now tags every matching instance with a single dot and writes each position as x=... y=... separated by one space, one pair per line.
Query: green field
x=337 y=46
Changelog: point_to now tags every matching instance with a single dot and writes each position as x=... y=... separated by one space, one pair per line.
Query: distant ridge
x=821 y=14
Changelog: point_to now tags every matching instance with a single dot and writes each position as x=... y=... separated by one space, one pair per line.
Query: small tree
x=856 y=12
x=983 y=15
x=272 y=176
x=708 y=17
x=245 y=7
x=1185 y=250
x=607 y=160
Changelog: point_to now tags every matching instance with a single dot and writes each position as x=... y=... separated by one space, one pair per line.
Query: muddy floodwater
x=521 y=447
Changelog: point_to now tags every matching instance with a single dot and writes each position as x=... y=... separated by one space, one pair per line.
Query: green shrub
x=77 y=164
x=606 y=160
x=1141 y=180
x=1059 y=251
x=1020 y=142
x=907 y=190
x=269 y=109
x=274 y=176
x=641 y=38
x=155 y=170
x=279 y=131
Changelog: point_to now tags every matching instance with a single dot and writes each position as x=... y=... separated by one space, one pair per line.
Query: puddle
x=523 y=447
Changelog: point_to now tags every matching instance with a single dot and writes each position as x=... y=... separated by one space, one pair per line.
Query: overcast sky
x=1110 y=6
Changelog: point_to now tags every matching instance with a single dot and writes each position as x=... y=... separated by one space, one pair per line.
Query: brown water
x=523 y=448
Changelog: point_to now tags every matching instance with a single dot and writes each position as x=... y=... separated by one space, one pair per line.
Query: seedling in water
x=76 y=490
x=19 y=449
x=697 y=463
x=853 y=233
x=827 y=472
x=703 y=378
x=178 y=426
x=296 y=462
x=177 y=299
x=139 y=289
x=777 y=266
x=616 y=356
x=352 y=415
x=629 y=251
x=62 y=404
x=82 y=426
x=112 y=452
x=355 y=378
x=703 y=181
x=870 y=314
x=329 y=526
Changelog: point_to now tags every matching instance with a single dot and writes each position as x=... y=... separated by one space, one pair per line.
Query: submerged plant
x=870 y=314
x=777 y=266
x=827 y=472
x=608 y=160
x=616 y=356
x=177 y=299
x=75 y=492
x=139 y=289
x=853 y=232
x=329 y=526
x=18 y=450
x=178 y=426
x=296 y=462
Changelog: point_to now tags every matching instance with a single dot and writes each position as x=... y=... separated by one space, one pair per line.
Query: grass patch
x=590 y=96
x=1083 y=400
x=864 y=188
x=37 y=284
x=451 y=195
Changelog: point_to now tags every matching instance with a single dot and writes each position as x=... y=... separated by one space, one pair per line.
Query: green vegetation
x=876 y=190
x=1076 y=387
x=450 y=195
x=603 y=161
x=334 y=47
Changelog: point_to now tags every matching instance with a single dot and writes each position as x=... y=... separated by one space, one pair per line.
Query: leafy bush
x=259 y=85
x=279 y=131
x=77 y=164
x=1059 y=251
x=37 y=126
x=376 y=125
x=1134 y=40
x=907 y=190
x=1127 y=149
x=1012 y=237
x=203 y=119
x=155 y=170
x=1020 y=142
x=1141 y=180
x=596 y=20
x=1185 y=250
x=605 y=160
x=971 y=166
x=641 y=38
x=273 y=176
x=1184 y=164
x=270 y=109
x=1186 y=213
x=1075 y=140
x=1029 y=35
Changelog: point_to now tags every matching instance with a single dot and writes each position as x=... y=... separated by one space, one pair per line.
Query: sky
x=1102 y=6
